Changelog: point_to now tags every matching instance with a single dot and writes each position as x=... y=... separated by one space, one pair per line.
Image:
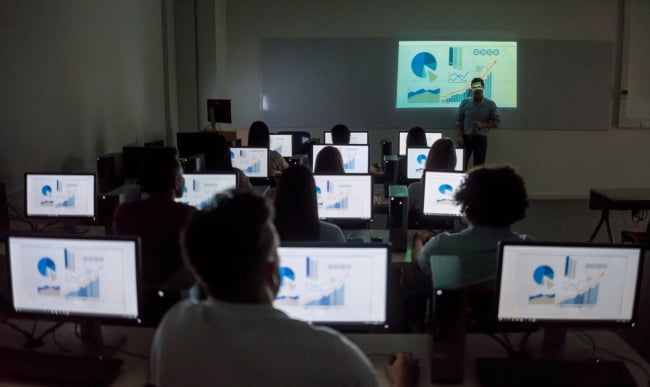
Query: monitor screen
x=60 y=195
x=219 y=110
x=355 y=157
x=334 y=285
x=439 y=190
x=460 y=159
x=254 y=162
x=356 y=138
x=344 y=196
x=200 y=188
x=416 y=160
x=281 y=143
x=431 y=138
x=58 y=276
x=562 y=282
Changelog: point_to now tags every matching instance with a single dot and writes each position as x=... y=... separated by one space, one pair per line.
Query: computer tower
x=398 y=204
x=448 y=335
x=110 y=171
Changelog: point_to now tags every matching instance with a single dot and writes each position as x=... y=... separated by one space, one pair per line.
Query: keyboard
x=552 y=372
x=57 y=368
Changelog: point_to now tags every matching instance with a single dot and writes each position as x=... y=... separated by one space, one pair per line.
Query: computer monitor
x=219 y=110
x=133 y=157
x=439 y=189
x=200 y=188
x=431 y=138
x=254 y=162
x=568 y=283
x=356 y=138
x=344 y=196
x=355 y=157
x=460 y=159
x=281 y=143
x=343 y=286
x=62 y=277
x=60 y=195
x=416 y=161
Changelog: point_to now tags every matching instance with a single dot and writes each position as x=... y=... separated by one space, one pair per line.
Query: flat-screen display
x=356 y=138
x=355 y=157
x=439 y=190
x=416 y=161
x=460 y=159
x=281 y=143
x=569 y=283
x=60 y=195
x=344 y=196
x=437 y=74
x=334 y=285
x=74 y=276
x=254 y=162
x=431 y=138
x=200 y=188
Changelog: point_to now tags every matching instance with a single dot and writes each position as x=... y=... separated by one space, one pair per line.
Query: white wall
x=78 y=78
x=553 y=163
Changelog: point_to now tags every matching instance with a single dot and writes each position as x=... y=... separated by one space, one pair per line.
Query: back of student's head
x=160 y=172
x=222 y=159
x=229 y=245
x=442 y=156
x=340 y=135
x=416 y=137
x=493 y=196
x=296 y=210
x=329 y=161
x=258 y=135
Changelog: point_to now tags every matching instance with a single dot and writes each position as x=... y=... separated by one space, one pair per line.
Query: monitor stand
x=74 y=227
x=95 y=342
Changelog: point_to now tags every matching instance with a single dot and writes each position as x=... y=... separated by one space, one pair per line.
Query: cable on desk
x=581 y=335
x=118 y=349
x=504 y=343
x=48 y=225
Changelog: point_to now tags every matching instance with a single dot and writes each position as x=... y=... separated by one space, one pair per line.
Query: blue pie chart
x=46 y=265
x=542 y=272
x=286 y=272
x=46 y=190
x=318 y=190
x=421 y=158
x=423 y=61
x=445 y=188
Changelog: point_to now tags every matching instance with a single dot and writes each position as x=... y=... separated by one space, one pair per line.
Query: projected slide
x=333 y=284
x=281 y=143
x=341 y=196
x=431 y=138
x=200 y=189
x=569 y=283
x=60 y=195
x=254 y=162
x=78 y=276
x=437 y=74
x=416 y=161
x=439 y=189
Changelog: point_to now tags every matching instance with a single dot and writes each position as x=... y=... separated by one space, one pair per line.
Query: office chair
x=637 y=237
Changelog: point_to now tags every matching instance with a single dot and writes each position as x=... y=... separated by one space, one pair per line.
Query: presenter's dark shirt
x=158 y=223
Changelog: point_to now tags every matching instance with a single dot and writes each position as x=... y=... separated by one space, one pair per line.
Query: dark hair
x=227 y=245
x=340 y=135
x=477 y=80
x=416 y=137
x=159 y=173
x=296 y=210
x=493 y=196
x=329 y=161
x=222 y=158
x=442 y=156
x=258 y=135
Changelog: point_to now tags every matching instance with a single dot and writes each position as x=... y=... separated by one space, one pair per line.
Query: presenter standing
x=476 y=116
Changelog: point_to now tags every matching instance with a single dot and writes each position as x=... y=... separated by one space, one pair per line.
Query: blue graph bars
x=68 y=259
x=570 y=267
x=458 y=97
x=350 y=165
x=588 y=297
x=311 y=268
x=89 y=291
x=455 y=57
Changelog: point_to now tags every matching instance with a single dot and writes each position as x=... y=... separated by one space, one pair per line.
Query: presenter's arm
x=459 y=125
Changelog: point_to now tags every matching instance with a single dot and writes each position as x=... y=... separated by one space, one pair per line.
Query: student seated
x=329 y=161
x=340 y=135
x=296 y=209
x=223 y=162
x=258 y=136
x=236 y=337
x=416 y=137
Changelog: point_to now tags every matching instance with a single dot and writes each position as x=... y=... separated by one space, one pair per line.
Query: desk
x=134 y=371
x=634 y=199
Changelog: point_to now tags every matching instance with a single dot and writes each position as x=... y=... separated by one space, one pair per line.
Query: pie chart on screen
x=445 y=189
x=424 y=65
x=543 y=275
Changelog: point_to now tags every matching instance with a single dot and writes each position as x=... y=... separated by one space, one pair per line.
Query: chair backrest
x=465 y=270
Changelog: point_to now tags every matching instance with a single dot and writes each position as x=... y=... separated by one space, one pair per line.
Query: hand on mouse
x=403 y=370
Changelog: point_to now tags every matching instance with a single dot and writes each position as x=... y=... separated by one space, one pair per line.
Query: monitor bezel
x=566 y=322
x=326 y=132
x=353 y=326
x=75 y=316
x=346 y=175
x=61 y=216
x=210 y=173
x=314 y=154
x=427 y=214
x=268 y=166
